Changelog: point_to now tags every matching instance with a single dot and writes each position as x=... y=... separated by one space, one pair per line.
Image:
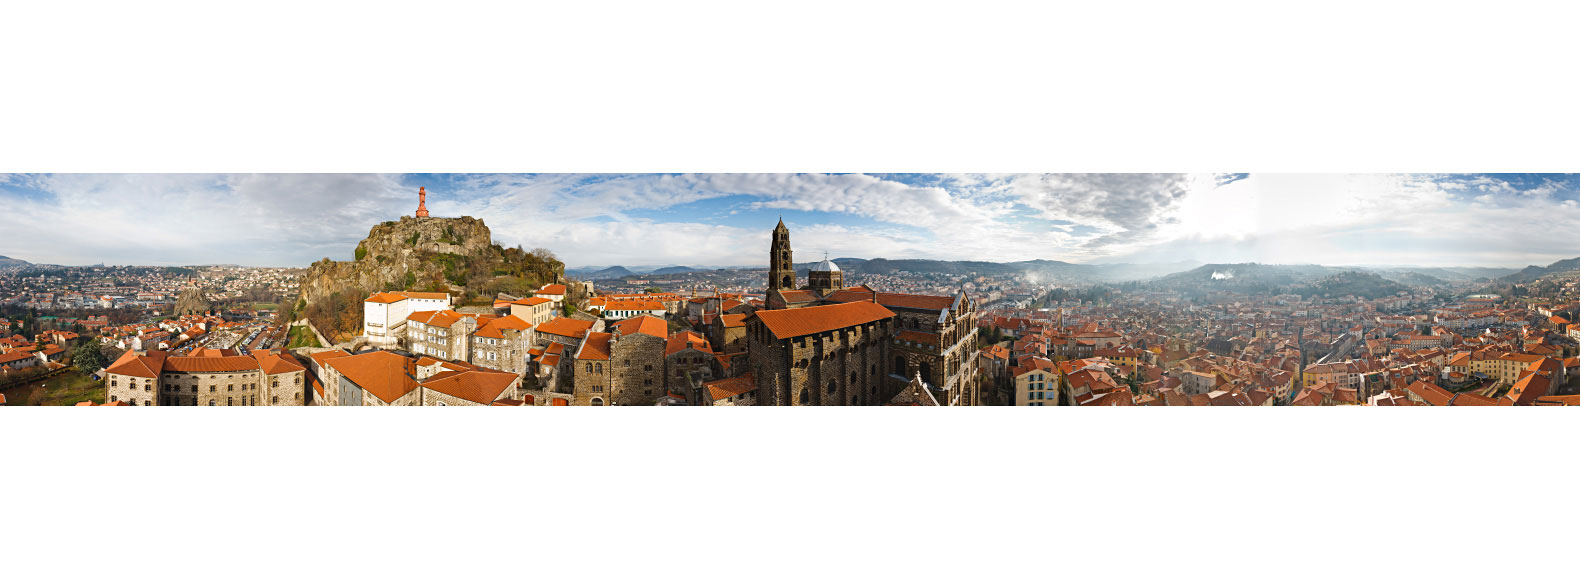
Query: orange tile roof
x=686 y=339
x=726 y=388
x=732 y=320
x=496 y=328
x=894 y=299
x=650 y=325
x=480 y=386
x=132 y=364
x=794 y=322
x=570 y=327
x=595 y=347
x=439 y=318
x=385 y=375
x=205 y=364
x=555 y=289
x=533 y=301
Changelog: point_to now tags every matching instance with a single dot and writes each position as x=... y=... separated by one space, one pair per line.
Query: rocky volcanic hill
x=455 y=255
x=191 y=301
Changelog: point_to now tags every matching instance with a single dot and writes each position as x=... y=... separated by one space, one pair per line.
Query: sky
x=724 y=219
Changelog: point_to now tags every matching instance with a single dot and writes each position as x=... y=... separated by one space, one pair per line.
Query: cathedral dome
x=825 y=266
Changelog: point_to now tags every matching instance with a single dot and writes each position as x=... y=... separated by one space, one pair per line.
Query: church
x=824 y=343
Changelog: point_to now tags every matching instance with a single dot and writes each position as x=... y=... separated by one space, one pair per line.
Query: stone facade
x=637 y=363
x=149 y=379
x=838 y=367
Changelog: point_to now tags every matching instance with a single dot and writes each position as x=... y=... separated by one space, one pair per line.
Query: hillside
x=13 y=262
x=1532 y=273
x=454 y=255
x=1352 y=283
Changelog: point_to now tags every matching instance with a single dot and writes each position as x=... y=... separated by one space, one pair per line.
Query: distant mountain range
x=1531 y=273
x=1053 y=269
x=13 y=262
x=1281 y=277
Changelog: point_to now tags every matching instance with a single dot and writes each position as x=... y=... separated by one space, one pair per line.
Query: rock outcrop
x=455 y=255
x=191 y=301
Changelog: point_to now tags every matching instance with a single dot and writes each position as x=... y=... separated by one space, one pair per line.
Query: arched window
x=788 y=282
x=927 y=371
x=589 y=367
x=831 y=387
x=600 y=368
x=852 y=377
x=805 y=397
x=900 y=368
x=853 y=400
x=597 y=402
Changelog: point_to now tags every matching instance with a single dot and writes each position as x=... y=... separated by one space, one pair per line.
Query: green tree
x=88 y=358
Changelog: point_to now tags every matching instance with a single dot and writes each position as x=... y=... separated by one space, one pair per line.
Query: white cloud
x=293 y=219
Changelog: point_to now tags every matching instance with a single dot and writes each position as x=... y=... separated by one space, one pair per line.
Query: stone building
x=821 y=355
x=209 y=378
x=591 y=370
x=444 y=334
x=636 y=356
x=825 y=278
x=386 y=379
x=934 y=337
x=688 y=359
x=502 y=344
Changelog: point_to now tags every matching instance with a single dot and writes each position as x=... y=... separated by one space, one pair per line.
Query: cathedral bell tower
x=781 y=270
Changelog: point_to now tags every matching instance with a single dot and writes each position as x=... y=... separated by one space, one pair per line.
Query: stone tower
x=825 y=278
x=422 y=202
x=781 y=270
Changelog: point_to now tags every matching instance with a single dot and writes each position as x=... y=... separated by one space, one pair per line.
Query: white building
x=384 y=314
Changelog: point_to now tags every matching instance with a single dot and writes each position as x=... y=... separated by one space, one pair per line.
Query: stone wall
x=638 y=369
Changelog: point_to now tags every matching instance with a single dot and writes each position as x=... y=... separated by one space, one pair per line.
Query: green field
x=265 y=306
x=69 y=388
x=302 y=337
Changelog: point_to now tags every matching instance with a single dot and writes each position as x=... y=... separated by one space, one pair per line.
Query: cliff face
x=191 y=301
x=400 y=256
x=455 y=255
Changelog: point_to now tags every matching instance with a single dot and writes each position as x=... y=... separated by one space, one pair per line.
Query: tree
x=544 y=254
x=88 y=358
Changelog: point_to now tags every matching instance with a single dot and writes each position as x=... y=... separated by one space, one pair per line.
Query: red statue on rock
x=422 y=202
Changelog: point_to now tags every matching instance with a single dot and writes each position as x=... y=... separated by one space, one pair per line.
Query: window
x=805 y=398
x=589 y=367
x=831 y=387
x=275 y=401
x=113 y=398
x=211 y=402
x=229 y=401
x=231 y=387
x=646 y=382
x=147 y=387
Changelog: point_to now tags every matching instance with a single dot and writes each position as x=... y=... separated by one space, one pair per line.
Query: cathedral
x=824 y=343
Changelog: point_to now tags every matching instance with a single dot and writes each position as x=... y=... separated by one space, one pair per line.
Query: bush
x=361 y=252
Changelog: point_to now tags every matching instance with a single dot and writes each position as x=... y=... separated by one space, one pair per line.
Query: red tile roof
x=481 y=386
x=570 y=327
x=794 y=322
x=686 y=339
x=726 y=388
x=385 y=375
x=650 y=325
x=595 y=347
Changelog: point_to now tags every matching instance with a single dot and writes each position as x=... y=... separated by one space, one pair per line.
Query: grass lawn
x=69 y=388
x=302 y=337
x=265 y=306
